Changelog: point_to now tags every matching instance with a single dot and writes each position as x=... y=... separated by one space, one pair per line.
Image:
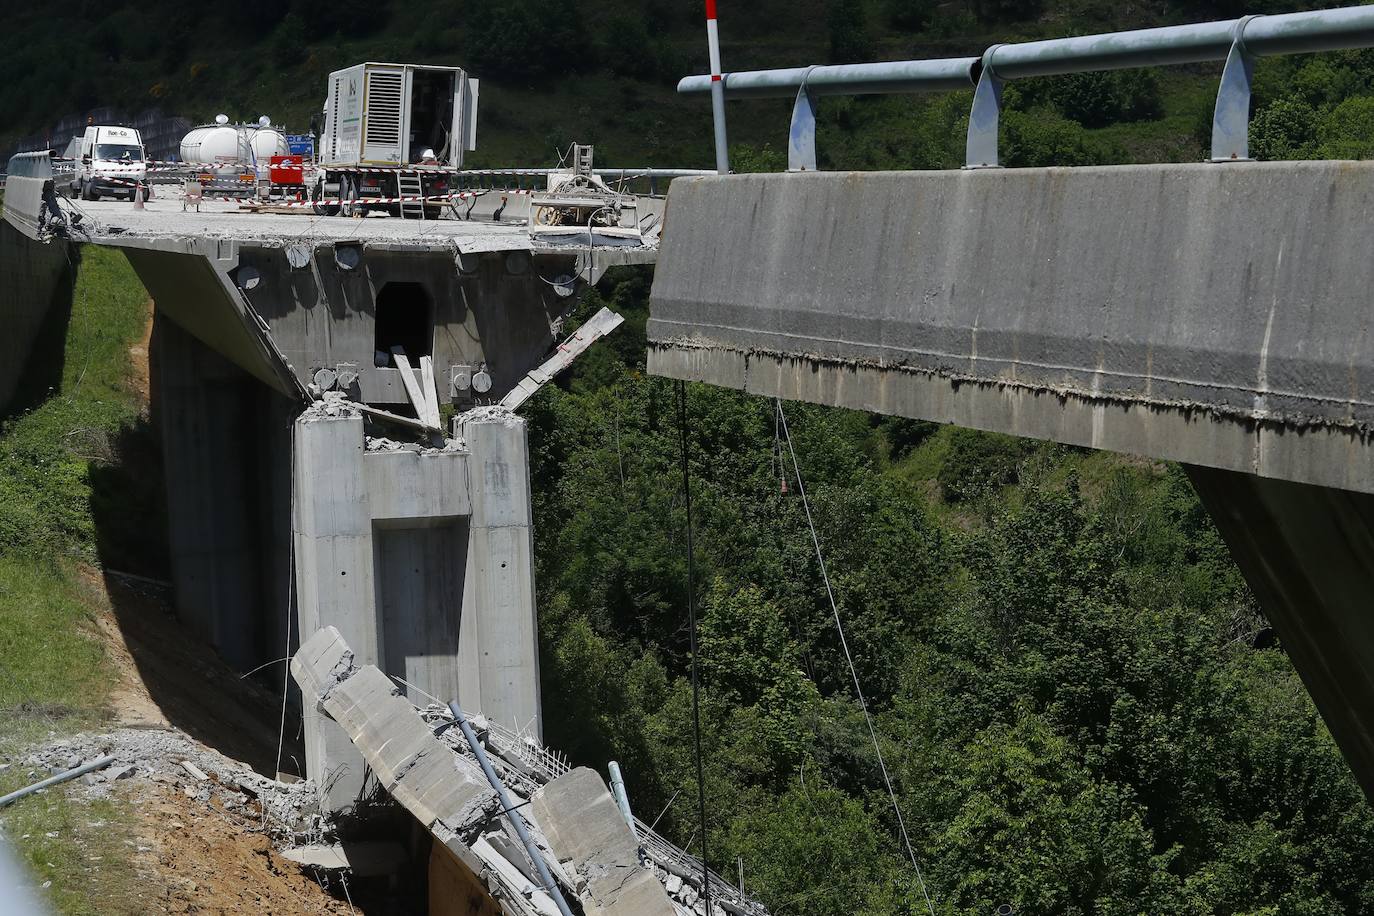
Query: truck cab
x=108 y=161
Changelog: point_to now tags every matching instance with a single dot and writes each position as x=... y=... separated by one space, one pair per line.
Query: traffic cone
x=138 y=196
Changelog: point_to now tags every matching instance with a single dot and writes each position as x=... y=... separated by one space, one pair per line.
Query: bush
x=1098 y=99
x=526 y=39
x=979 y=464
x=1043 y=138
x=1284 y=129
x=1007 y=10
x=353 y=18
x=1347 y=131
x=911 y=15
x=850 y=39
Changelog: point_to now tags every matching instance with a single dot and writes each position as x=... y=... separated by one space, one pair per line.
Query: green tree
x=851 y=40
x=1284 y=129
x=909 y=15
x=815 y=851
x=1347 y=131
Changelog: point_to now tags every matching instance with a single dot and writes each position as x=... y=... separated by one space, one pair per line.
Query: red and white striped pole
x=717 y=89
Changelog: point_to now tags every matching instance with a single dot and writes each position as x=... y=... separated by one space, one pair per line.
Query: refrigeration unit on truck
x=394 y=131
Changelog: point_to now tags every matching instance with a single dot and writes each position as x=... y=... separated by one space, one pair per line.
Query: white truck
x=107 y=160
x=394 y=133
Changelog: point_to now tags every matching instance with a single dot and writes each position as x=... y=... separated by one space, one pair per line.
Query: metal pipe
x=1318 y=30
x=1181 y=44
x=717 y=90
x=622 y=800
x=844 y=79
x=1288 y=33
x=82 y=770
x=515 y=816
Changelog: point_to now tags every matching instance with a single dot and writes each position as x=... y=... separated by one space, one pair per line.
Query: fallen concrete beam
x=587 y=832
x=410 y=763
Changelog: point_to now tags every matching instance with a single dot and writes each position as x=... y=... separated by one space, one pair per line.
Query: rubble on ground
x=289 y=811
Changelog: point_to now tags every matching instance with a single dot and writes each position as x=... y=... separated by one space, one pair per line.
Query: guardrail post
x=801 y=140
x=981 y=151
x=1231 y=117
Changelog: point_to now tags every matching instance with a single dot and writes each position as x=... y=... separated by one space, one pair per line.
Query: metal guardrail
x=1237 y=41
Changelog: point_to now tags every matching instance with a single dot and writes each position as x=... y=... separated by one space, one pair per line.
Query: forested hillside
x=603 y=71
x=1082 y=707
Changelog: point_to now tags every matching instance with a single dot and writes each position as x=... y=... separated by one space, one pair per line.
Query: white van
x=108 y=161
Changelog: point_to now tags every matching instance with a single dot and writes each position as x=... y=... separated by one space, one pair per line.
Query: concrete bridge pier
x=1308 y=554
x=422 y=558
x=226 y=446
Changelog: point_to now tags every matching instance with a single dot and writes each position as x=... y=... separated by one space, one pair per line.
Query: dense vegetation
x=1081 y=705
x=1083 y=708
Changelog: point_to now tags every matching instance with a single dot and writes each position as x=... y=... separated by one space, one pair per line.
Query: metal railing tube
x=1181 y=44
x=1237 y=41
x=895 y=76
x=511 y=811
x=1317 y=30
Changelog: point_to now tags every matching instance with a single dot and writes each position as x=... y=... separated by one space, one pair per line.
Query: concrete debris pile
x=600 y=863
x=383 y=444
x=526 y=767
x=330 y=404
x=289 y=812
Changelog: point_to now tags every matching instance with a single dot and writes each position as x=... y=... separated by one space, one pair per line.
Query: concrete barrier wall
x=35 y=293
x=1213 y=314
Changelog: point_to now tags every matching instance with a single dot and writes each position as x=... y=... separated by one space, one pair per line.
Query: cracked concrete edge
x=585 y=829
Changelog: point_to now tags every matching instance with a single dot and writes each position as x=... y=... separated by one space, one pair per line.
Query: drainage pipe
x=516 y=817
x=82 y=770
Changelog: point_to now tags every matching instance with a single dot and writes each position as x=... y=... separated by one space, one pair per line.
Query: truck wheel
x=86 y=191
x=316 y=195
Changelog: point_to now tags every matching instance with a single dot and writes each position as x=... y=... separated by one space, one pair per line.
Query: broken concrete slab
x=449 y=797
x=586 y=830
x=364 y=859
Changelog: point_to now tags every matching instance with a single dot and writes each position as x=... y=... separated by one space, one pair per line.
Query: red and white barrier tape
x=368 y=201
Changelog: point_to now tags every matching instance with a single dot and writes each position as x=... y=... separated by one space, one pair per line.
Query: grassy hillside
x=70 y=494
x=598 y=71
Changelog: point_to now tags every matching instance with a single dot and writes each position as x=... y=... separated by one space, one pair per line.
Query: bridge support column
x=499 y=604
x=1308 y=554
x=422 y=558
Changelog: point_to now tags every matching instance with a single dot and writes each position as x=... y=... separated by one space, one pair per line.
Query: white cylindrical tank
x=215 y=143
x=268 y=142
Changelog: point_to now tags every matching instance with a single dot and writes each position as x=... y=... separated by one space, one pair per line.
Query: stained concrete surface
x=423 y=559
x=1212 y=314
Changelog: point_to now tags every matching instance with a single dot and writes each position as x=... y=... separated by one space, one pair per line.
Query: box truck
x=394 y=131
